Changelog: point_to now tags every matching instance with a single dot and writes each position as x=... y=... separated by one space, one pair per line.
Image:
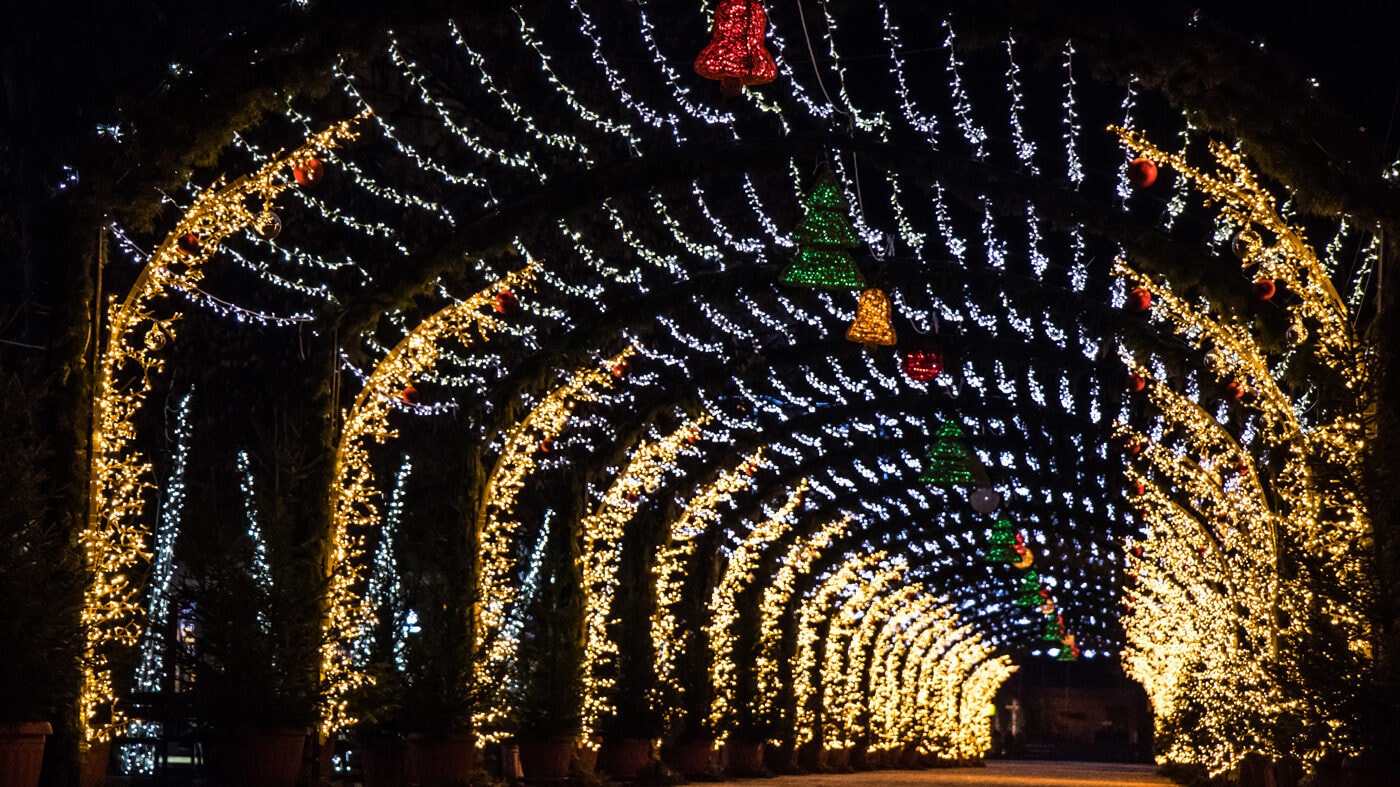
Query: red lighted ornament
x=1136 y=382
x=922 y=365
x=1139 y=300
x=409 y=395
x=619 y=369
x=1139 y=489
x=546 y=445
x=309 y=172
x=1142 y=173
x=1235 y=390
x=1134 y=448
x=736 y=56
x=506 y=302
x=188 y=243
x=1264 y=289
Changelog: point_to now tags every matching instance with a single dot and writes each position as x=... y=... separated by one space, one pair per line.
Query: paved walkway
x=998 y=773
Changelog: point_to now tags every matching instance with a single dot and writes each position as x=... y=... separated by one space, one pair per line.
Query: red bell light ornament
x=1265 y=289
x=736 y=56
x=922 y=365
x=1142 y=173
x=1139 y=300
x=1136 y=382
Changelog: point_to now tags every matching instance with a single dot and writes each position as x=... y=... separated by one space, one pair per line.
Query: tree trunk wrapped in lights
x=116 y=540
x=769 y=709
x=721 y=632
x=603 y=533
x=355 y=498
x=1252 y=608
x=499 y=533
x=669 y=638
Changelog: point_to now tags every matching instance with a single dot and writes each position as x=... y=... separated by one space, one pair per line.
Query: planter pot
x=909 y=757
x=860 y=758
x=624 y=758
x=547 y=759
x=254 y=757
x=743 y=758
x=780 y=759
x=382 y=763
x=22 y=752
x=836 y=760
x=693 y=758
x=587 y=755
x=321 y=758
x=439 y=759
x=94 y=773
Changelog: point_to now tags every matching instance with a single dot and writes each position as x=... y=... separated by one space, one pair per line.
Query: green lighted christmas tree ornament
x=1029 y=593
x=1001 y=544
x=947 y=459
x=824 y=239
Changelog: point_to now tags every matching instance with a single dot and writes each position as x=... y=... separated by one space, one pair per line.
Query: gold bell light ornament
x=872 y=325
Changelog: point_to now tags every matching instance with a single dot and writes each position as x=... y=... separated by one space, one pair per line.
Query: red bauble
x=1134 y=448
x=1139 y=489
x=309 y=172
x=409 y=395
x=188 y=243
x=619 y=369
x=736 y=56
x=748 y=471
x=1139 y=300
x=631 y=497
x=922 y=365
x=506 y=302
x=692 y=439
x=1136 y=382
x=1142 y=173
x=1264 y=289
x=1235 y=390
x=1242 y=468
x=1137 y=551
x=546 y=445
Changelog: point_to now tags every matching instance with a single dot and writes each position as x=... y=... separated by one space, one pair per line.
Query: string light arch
x=628 y=200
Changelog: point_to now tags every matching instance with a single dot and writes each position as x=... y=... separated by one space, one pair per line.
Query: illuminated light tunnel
x=483 y=557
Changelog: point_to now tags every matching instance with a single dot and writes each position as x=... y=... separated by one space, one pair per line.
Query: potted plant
x=438 y=698
x=40 y=584
x=253 y=679
x=254 y=586
x=629 y=731
x=550 y=665
x=378 y=734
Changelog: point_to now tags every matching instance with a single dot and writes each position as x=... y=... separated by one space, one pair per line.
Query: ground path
x=998 y=773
